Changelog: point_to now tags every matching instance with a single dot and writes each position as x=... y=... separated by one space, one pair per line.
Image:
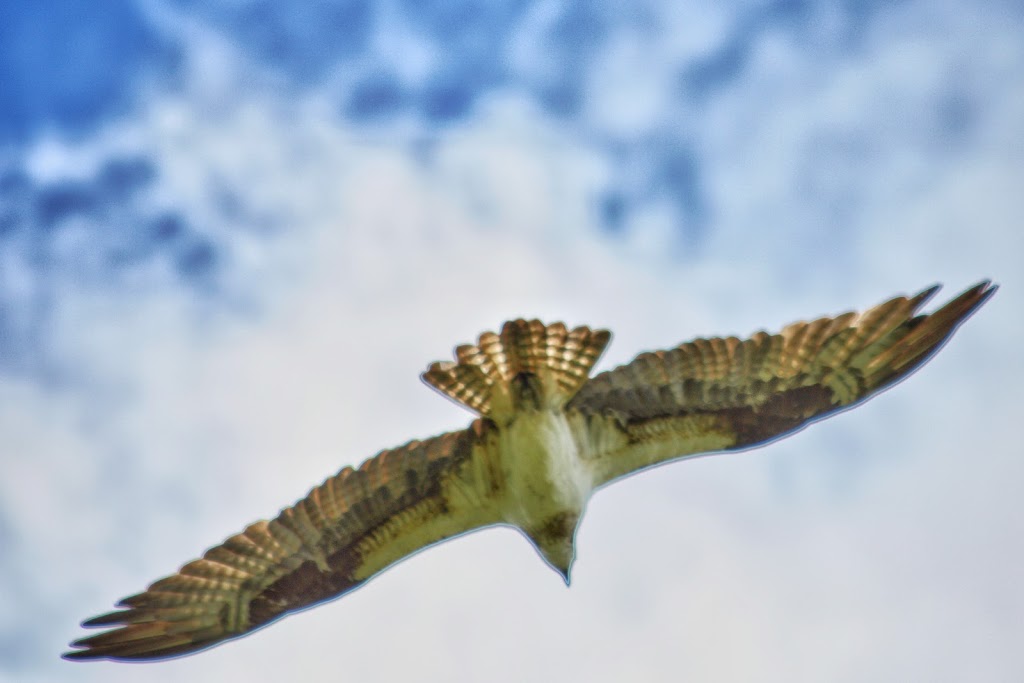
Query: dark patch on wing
x=312 y=552
x=782 y=413
x=308 y=585
x=725 y=394
x=304 y=586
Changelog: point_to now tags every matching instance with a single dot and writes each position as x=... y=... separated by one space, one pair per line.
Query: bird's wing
x=346 y=530
x=724 y=394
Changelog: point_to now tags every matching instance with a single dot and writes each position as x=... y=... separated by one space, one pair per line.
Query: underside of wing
x=723 y=394
x=345 y=531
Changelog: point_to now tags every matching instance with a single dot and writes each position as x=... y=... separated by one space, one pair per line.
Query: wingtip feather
x=931 y=332
x=108 y=619
x=924 y=296
x=146 y=641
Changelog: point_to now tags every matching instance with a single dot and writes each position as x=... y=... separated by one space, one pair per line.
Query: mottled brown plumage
x=727 y=394
x=483 y=377
x=547 y=438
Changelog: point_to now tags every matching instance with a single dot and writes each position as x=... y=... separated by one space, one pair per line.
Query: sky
x=233 y=233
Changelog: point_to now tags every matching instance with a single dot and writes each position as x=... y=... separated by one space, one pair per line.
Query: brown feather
x=482 y=375
x=323 y=546
x=723 y=394
x=702 y=396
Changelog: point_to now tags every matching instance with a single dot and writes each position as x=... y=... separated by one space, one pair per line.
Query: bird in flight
x=546 y=436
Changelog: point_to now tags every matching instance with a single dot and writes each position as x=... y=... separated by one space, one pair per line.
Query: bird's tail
x=527 y=364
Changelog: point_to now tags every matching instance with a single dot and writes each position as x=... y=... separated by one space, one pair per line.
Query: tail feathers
x=528 y=362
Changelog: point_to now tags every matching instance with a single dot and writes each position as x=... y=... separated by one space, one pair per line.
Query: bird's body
x=547 y=436
x=547 y=483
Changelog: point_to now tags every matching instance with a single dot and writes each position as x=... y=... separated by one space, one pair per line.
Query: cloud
x=180 y=406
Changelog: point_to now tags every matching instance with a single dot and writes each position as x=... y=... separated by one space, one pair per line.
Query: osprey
x=546 y=437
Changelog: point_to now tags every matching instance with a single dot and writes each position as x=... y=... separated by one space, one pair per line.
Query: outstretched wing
x=724 y=394
x=346 y=530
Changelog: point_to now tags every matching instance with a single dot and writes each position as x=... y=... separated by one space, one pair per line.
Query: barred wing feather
x=724 y=394
x=546 y=437
x=346 y=530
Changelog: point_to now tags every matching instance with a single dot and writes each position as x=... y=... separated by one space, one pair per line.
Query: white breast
x=543 y=472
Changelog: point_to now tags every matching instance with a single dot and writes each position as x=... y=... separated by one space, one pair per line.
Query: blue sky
x=233 y=233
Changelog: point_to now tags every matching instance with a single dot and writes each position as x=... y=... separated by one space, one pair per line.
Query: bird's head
x=555 y=540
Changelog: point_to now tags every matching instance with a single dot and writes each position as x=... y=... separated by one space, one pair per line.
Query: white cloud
x=876 y=546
